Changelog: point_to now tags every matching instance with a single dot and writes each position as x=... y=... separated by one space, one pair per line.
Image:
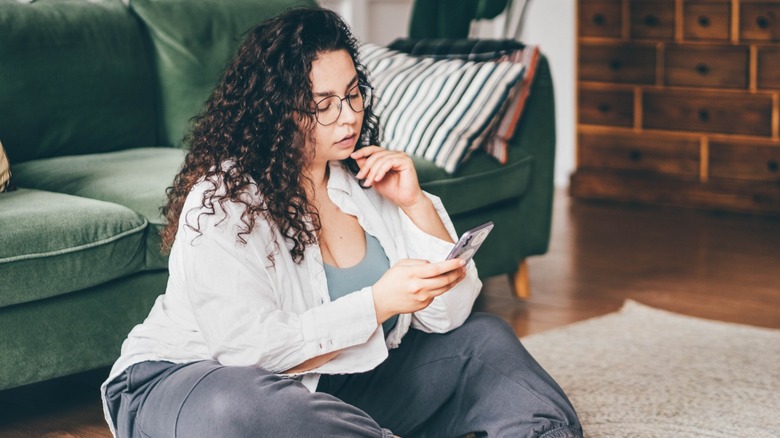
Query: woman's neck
x=319 y=179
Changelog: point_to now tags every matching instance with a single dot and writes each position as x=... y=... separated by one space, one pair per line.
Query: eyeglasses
x=328 y=109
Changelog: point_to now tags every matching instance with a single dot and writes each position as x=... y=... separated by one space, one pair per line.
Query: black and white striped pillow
x=439 y=109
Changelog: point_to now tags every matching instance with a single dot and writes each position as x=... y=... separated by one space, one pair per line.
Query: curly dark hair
x=252 y=120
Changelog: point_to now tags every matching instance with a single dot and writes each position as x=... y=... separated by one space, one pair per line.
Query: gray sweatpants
x=477 y=378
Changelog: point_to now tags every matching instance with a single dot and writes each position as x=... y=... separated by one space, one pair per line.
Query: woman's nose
x=348 y=115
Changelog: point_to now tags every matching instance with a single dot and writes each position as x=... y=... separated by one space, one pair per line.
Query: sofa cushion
x=75 y=78
x=54 y=243
x=134 y=178
x=193 y=42
x=481 y=182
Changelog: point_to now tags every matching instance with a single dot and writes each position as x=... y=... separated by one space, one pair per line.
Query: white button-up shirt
x=226 y=301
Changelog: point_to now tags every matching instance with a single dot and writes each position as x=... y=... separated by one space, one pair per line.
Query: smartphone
x=470 y=241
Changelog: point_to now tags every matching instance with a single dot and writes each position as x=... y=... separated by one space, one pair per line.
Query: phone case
x=470 y=241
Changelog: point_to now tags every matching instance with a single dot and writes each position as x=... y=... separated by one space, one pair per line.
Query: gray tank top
x=343 y=281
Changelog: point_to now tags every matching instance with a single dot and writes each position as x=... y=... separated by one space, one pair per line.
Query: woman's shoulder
x=209 y=203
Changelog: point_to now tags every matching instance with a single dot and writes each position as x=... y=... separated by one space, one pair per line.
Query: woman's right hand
x=411 y=285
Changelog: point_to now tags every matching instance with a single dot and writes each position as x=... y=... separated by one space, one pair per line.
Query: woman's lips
x=346 y=141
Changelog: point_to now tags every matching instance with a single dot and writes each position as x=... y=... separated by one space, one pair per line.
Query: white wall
x=549 y=23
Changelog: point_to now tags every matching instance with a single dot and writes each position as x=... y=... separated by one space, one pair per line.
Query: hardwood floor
x=717 y=266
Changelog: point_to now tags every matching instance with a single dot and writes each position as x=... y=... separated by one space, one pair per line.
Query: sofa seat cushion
x=134 y=178
x=52 y=244
x=480 y=183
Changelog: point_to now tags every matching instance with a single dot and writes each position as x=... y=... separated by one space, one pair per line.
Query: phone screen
x=470 y=241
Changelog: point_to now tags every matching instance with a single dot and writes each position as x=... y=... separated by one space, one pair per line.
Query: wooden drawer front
x=742 y=161
x=599 y=107
x=706 y=20
x=769 y=67
x=624 y=64
x=725 y=66
x=759 y=21
x=652 y=19
x=730 y=113
x=639 y=152
x=601 y=18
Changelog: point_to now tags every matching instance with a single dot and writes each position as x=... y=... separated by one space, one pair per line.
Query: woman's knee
x=254 y=400
x=484 y=327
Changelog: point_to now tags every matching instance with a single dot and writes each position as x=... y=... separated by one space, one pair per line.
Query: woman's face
x=334 y=74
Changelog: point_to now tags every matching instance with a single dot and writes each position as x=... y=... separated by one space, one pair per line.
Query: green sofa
x=95 y=97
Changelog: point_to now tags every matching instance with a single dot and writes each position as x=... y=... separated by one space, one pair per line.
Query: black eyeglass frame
x=368 y=102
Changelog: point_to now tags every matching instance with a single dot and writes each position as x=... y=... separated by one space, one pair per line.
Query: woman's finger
x=451 y=277
x=439 y=268
x=369 y=163
x=365 y=151
x=381 y=167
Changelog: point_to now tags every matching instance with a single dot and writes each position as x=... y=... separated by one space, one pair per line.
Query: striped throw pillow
x=438 y=109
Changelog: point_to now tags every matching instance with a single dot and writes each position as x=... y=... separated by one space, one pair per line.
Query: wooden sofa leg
x=519 y=280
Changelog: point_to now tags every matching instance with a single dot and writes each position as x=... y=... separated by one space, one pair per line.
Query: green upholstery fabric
x=193 y=42
x=76 y=332
x=482 y=182
x=135 y=178
x=74 y=79
x=54 y=244
x=450 y=18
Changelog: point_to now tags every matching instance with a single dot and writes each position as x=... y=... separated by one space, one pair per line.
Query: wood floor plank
x=716 y=266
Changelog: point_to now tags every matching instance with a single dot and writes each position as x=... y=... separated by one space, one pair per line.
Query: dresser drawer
x=652 y=19
x=601 y=18
x=706 y=20
x=607 y=107
x=769 y=67
x=759 y=21
x=639 y=152
x=730 y=160
x=617 y=63
x=707 y=66
x=708 y=112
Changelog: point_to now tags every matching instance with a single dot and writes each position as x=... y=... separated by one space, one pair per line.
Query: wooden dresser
x=679 y=103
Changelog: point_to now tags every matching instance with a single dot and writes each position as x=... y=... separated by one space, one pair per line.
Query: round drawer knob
x=702 y=68
x=615 y=64
x=599 y=19
x=635 y=155
x=704 y=21
x=604 y=108
x=651 y=20
x=762 y=22
x=772 y=166
x=704 y=115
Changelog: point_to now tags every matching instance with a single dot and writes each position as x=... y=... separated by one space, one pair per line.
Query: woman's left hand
x=391 y=173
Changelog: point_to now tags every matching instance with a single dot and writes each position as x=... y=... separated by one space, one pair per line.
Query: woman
x=308 y=292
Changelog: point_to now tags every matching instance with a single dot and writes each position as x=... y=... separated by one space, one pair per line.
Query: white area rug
x=644 y=372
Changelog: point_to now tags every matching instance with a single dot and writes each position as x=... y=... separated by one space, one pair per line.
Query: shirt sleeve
x=236 y=309
x=449 y=310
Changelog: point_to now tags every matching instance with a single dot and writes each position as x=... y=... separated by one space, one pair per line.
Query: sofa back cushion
x=74 y=78
x=193 y=41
